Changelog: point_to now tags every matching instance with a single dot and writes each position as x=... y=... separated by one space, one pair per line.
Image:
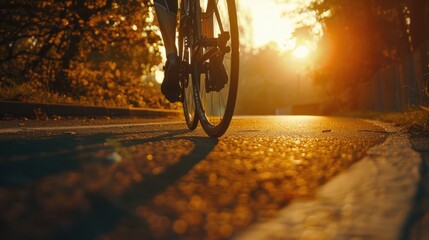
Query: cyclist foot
x=170 y=85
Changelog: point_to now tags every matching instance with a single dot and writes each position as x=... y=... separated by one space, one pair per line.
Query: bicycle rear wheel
x=219 y=43
x=186 y=38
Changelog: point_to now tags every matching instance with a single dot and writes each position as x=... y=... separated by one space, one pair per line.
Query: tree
x=419 y=17
x=360 y=37
x=419 y=31
x=76 y=46
x=265 y=81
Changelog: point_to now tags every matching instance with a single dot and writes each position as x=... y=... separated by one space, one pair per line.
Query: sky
x=272 y=24
x=268 y=23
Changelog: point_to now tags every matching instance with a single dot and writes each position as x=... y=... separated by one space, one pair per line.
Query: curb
x=20 y=109
x=370 y=200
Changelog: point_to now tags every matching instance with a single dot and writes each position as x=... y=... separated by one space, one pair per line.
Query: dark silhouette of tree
x=77 y=47
x=361 y=37
x=419 y=31
x=419 y=18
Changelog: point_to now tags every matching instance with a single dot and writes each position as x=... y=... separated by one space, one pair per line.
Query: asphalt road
x=153 y=179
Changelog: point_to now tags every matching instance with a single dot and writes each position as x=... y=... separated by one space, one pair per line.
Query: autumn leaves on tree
x=98 y=49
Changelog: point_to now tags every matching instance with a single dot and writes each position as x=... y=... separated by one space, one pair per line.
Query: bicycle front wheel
x=216 y=74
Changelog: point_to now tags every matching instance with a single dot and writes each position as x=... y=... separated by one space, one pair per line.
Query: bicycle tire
x=185 y=39
x=216 y=108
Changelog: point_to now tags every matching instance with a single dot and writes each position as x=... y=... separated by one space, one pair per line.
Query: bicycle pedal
x=216 y=76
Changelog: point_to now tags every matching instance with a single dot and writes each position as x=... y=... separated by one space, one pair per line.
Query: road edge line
x=59 y=128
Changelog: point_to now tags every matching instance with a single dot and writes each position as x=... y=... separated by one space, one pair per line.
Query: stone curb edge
x=372 y=199
x=20 y=109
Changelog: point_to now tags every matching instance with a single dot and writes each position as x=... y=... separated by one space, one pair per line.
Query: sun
x=301 y=52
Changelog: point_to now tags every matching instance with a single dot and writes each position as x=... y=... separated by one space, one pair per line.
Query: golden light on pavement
x=301 y=52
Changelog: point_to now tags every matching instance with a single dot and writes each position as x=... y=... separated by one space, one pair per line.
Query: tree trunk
x=62 y=83
x=419 y=28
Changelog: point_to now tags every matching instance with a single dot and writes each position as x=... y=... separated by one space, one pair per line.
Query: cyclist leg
x=166 y=11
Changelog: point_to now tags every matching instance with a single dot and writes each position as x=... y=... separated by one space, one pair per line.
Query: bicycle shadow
x=107 y=212
x=24 y=162
x=103 y=213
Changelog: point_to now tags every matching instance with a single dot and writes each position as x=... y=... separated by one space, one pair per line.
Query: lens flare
x=301 y=52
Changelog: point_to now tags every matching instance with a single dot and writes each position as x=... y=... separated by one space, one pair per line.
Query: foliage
x=360 y=38
x=101 y=49
x=264 y=80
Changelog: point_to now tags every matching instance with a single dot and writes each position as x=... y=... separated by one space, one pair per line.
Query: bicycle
x=208 y=40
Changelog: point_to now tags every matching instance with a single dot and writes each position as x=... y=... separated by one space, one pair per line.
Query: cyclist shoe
x=170 y=85
x=217 y=74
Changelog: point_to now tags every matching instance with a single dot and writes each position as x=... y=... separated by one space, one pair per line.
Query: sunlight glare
x=159 y=76
x=268 y=24
x=301 y=52
x=274 y=21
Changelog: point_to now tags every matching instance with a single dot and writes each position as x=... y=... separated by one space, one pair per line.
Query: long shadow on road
x=103 y=213
x=107 y=213
x=23 y=162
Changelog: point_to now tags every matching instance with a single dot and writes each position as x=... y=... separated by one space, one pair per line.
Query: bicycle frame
x=218 y=44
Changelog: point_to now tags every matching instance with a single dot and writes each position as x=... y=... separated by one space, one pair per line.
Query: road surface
x=153 y=179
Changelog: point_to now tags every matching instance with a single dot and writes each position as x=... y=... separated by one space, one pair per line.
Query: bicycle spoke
x=219 y=59
x=216 y=10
